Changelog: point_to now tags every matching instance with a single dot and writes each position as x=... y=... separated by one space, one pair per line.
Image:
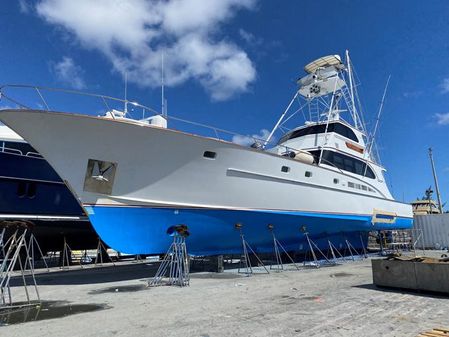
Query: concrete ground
x=330 y=301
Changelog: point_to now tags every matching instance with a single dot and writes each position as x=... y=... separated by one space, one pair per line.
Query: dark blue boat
x=31 y=190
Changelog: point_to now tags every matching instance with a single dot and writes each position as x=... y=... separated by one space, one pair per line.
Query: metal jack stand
x=365 y=254
x=176 y=260
x=2 y=247
x=312 y=244
x=277 y=252
x=31 y=244
x=138 y=259
x=67 y=256
x=352 y=251
x=100 y=249
x=245 y=257
x=334 y=249
x=14 y=246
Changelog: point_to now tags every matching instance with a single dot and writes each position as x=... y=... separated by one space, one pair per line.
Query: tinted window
x=339 y=128
x=344 y=163
x=209 y=154
x=23 y=147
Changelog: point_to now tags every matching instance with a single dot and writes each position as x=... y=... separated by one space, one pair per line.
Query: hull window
x=308 y=174
x=21 y=189
x=31 y=190
x=210 y=154
x=100 y=176
x=285 y=169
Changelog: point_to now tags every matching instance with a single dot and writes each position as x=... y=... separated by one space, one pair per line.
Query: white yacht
x=136 y=178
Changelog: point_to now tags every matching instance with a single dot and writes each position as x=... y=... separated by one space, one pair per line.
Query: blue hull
x=140 y=230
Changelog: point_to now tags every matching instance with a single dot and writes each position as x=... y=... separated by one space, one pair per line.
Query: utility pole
x=436 y=181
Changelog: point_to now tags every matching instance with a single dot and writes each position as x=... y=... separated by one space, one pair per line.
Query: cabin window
x=339 y=128
x=209 y=154
x=285 y=169
x=21 y=189
x=345 y=163
x=336 y=181
x=308 y=174
x=16 y=147
x=31 y=190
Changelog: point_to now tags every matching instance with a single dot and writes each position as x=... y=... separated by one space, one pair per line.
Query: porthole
x=285 y=169
x=209 y=154
x=31 y=190
x=21 y=189
x=336 y=181
x=308 y=174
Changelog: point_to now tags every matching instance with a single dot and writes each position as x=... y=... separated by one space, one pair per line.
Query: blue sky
x=233 y=64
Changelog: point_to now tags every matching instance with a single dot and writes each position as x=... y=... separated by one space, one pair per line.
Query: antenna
x=378 y=116
x=436 y=181
x=163 y=107
x=351 y=87
x=126 y=90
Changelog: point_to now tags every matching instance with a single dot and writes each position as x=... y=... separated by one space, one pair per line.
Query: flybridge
x=328 y=103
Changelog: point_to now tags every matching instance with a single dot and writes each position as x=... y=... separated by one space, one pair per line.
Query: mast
x=126 y=93
x=436 y=181
x=163 y=108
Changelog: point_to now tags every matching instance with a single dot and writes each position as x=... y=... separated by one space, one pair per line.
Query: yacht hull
x=142 y=230
x=163 y=177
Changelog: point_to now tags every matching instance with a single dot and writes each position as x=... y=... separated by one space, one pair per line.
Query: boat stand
x=67 y=256
x=15 y=248
x=138 y=259
x=334 y=249
x=32 y=243
x=2 y=247
x=365 y=253
x=352 y=251
x=175 y=262
x=315 y=263
x=277 y=247
x=247 y=267
x=101 y=248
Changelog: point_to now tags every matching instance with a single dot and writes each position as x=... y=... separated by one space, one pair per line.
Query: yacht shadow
x=89 y=275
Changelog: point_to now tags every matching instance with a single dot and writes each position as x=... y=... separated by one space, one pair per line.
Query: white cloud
x=445 y=86
x=413 y=94
x=133 y=34
x=68 y=72
x=24 y=6
x=250 y=139
x=442 y=119
x=250 y=38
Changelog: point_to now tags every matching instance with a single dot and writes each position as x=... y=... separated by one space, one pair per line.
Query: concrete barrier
x=423 y=275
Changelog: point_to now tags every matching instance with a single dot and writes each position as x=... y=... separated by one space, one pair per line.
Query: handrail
x=104 y=99
x=68 y=91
